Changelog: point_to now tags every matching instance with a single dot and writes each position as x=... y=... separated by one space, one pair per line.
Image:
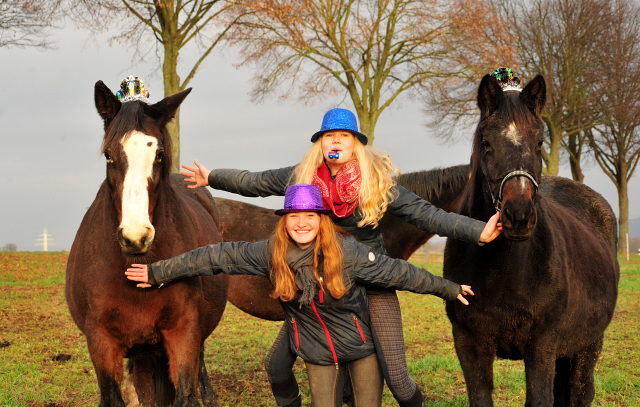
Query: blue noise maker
x=334 y=154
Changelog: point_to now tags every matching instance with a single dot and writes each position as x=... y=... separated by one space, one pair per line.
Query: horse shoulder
x=587 y=205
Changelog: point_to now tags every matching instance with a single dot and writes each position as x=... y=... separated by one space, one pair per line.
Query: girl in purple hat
x=356 y=182
x=317 y=272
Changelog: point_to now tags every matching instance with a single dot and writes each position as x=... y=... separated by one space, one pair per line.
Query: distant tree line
x=9 y=247
x=373 y=52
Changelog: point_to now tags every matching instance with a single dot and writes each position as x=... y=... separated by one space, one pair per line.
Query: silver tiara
x=132 y=88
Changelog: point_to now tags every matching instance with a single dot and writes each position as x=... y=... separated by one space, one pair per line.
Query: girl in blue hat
x=356 y=183
x=317 y=273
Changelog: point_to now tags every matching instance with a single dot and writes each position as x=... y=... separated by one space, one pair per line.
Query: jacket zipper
x=321 y=292
x=326 y=331
x=295 y=328
x=355 y=319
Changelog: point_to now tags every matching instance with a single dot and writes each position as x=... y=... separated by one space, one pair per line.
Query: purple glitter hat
x=303 y=198
x=340 y=119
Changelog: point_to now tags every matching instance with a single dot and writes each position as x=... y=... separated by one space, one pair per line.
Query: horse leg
x=183 y=346
x=539 y=368
x=209 y=398
x=581 y=381
x=561 y=390
x=107 y=357
x=476 y=361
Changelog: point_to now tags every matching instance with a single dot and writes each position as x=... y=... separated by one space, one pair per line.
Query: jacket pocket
x=355 y=321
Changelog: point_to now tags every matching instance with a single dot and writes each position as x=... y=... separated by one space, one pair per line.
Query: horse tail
x=151 y=382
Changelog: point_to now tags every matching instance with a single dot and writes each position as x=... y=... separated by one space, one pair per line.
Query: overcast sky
x=50 y=166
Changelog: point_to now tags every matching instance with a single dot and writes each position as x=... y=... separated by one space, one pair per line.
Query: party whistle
x=334 y=154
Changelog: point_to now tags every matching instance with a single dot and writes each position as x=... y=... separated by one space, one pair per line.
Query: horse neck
x=442 y=187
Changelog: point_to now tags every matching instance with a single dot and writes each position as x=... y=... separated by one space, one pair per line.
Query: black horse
x=546 y=289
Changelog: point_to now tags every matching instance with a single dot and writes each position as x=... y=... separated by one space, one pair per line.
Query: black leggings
x=386 y=322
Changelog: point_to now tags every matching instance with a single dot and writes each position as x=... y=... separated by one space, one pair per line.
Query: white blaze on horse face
x=140 y=150
x=512 y=134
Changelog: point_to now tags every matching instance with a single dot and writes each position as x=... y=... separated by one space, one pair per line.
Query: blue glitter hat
x=340 y=119
x=303 y=198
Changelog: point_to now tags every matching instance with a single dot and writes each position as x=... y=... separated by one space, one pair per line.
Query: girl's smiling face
x=340 y=143
x=303 y=227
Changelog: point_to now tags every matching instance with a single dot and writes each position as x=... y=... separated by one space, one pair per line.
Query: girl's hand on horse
x=199 y=176
x=138 y=272
x=466 y=289
x=492 y=229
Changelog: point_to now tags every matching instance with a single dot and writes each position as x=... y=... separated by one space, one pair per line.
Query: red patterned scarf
x=341 y=193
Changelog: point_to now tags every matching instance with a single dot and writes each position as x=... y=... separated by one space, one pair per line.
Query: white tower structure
x=46 y=240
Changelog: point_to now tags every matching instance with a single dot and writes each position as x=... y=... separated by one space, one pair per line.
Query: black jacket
x=348 y=334
x=408 y=206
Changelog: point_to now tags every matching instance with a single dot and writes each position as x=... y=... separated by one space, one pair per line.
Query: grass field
x=35 y=321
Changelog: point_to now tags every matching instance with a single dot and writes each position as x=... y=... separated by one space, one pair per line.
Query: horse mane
x=432 y=184
x=509 y=110
x=133 y=116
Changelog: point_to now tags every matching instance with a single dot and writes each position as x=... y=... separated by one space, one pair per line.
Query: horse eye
x=485 y=143
x=540 y=144
x=159 y=156
x=108 y=157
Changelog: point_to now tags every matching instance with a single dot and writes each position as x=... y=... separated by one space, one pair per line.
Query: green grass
x=34 y=318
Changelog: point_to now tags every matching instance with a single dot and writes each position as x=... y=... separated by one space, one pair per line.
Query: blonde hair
x=333 y=271
x=376 y=187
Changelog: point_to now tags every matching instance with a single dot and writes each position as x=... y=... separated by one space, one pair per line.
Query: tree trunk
x=623 y=219
x=367 y=126
x=553 y=157
x=171 y=87
x=575 y=150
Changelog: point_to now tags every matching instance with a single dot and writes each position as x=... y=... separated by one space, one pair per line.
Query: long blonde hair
x=376 y=188
x=333 y=269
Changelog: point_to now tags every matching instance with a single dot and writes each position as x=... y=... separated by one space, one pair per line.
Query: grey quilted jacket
x=408 y=206
x=329 y=330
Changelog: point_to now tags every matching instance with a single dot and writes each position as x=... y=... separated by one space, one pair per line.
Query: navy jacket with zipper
x=329 y=330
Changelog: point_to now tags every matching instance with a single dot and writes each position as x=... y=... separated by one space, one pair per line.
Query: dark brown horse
x=142 y=214
x=547 y=288
x=243 y=221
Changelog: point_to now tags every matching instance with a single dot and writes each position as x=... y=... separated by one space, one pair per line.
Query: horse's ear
x=490 y=95
x=107 y=103
x=166 y=109
x=534 y=95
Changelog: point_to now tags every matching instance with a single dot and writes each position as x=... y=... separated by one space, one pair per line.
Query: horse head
x=507 y=152
x=137 y=148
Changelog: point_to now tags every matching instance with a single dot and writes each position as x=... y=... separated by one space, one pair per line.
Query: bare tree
x=560 y=40
x=372 y=51
x=26 y=23
x=163 y=26
x=616 y=142
x=9 y=247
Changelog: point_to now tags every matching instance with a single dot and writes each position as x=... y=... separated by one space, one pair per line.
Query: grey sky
x=50 y=166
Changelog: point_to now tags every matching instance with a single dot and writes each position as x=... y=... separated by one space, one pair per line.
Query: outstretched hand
x=492 y=229
x=138 y=272
x=466 y=289
x=198 y=175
